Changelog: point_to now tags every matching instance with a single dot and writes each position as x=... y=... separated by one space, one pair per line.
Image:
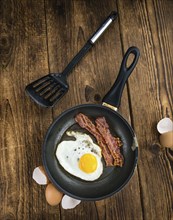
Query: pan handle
x=113 y=97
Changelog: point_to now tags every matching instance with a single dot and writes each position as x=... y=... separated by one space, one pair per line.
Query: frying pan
x=112 y=179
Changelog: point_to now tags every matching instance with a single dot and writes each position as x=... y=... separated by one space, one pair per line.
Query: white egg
x=80 y=157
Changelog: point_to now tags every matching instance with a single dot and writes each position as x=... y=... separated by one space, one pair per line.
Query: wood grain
x=23 y=59
x=38 y=37
x=153 y=84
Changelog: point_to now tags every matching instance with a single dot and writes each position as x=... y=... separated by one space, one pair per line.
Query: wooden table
x=38 y=37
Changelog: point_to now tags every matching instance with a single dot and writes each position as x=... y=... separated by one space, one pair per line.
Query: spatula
x=49 y=89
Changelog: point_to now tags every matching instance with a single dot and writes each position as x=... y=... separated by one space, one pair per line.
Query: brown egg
x=53 y=196
x=166 y=139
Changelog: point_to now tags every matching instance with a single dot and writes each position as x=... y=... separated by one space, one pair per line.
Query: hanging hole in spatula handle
x=113 y=97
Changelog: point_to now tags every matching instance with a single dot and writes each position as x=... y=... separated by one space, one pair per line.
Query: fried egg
x=80 y=157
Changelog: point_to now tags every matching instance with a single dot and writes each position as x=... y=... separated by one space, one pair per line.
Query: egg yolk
x=88 y=163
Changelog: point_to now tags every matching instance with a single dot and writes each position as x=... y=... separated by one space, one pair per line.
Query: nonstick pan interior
x=113 y=178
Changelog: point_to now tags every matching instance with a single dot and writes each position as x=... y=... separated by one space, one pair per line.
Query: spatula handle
x=89 y=43
x=103 y=27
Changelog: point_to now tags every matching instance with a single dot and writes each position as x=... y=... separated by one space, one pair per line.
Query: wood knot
x=156 y=149
x=6 y=47
x=5 y=42
x=91 y=95
x=97 y=97
x=8 y=216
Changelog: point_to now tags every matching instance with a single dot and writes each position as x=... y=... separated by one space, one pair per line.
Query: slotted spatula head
x=48 y=90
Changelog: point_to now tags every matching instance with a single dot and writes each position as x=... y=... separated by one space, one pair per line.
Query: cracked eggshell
x=40 y=176
x=165 y=125
x=53 y=196
x=166 y=139
x=69 y=203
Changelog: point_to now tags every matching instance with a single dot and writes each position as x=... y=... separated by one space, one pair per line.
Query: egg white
x=68 y=154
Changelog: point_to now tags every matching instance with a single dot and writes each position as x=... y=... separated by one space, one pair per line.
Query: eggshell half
x=69 y=203
x=166 y=139
x=53 y=196
x=40 y=176
x=165 y=125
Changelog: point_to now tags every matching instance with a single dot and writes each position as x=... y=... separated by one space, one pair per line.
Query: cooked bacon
x=118 y=141
x=111 y=141
x=86 y=123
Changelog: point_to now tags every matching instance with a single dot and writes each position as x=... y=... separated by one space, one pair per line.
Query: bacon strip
x=111 y=141
x=86 y=123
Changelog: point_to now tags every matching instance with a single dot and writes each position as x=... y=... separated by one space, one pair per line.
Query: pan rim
x=54 y=182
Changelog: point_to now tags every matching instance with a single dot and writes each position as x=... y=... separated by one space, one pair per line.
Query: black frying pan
x=113 y=178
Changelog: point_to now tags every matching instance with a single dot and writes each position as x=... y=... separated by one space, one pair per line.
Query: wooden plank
x=69 y=25
x=148 y=25
x=23 y=58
